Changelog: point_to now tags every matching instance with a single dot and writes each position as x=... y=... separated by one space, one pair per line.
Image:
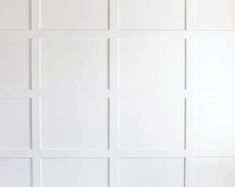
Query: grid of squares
x=117 y=93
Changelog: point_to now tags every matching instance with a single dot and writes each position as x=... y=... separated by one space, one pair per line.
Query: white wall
x=117 y=93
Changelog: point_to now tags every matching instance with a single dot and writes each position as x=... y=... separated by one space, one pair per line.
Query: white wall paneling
x=15 y=129
x=15 y=64
x=152 y=123
x=74 y=172
x=152 y=64
x=117 y=93
x=72 y=14
x=90 y=73
x=215 y=62
x=152 y=15
x=220 y=16
x=15 y=15
x=213 y=172
x=151 y=172
x=215 y=112
x=15 y=172
x=67 y=123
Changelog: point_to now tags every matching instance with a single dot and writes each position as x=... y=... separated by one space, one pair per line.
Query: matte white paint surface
x=15 y=64
x=214 y=14
x=15 y=14
x=151 y=172
x=15 y=172
x=151 y=123
x=151 y=14
x=74 y=64
x=75 y=172
x=117 y=93
x=214 y=172
x=214 y=63
x=15 y=120
x=215 y=123
x=152 y=64
x=67 y=123
x=73 y=14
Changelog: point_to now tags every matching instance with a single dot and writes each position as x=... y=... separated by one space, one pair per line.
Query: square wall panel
x=152 y=14
x=214 y=14
x=214 y=124
x=214 y=172
x=15 y=14
x=214 y=63
x=74 y=64
x=15 y=172
x=15 y=64
x=151 y=172
x=75 y=14
x=147 y=123
x=75 y=123
x=75 y=172
x=15 y=120
x=152 y=64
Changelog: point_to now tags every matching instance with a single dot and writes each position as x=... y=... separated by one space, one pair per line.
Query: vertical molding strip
x=36 y=93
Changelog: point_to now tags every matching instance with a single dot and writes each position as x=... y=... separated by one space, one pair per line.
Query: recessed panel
x=214 y=123
x=14 y=64
x=74 y=14
x=152 y=14
x=214 y=14
x=214 y=172
x=151 y=123
x=74 y=172
x=74 y=64
x=151 y=172
x=151 y=64
x=15 y=123
x=214 y=63
x=74 y=123
x=15 y=172
x=15 y=15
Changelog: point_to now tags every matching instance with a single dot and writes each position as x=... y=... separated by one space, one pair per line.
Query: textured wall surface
x=117 y=93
